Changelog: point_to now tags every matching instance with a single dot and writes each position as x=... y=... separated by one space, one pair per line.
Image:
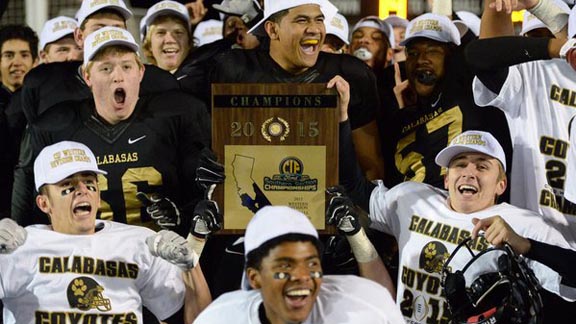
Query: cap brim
x=62 y=176
x=130 y=45
x=431 y=36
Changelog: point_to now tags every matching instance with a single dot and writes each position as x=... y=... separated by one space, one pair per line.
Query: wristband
x=362 y=248
x=551 y=14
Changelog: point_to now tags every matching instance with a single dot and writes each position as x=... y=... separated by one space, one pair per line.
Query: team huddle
x=456 y=176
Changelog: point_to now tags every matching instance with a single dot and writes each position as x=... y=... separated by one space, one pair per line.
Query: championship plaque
x=279 y=146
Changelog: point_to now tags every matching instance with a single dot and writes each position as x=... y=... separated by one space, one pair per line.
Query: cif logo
x=291 y=165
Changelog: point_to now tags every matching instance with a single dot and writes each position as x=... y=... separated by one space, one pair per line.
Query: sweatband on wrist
x=551 y=14
x=362 y=248
x=196 y=244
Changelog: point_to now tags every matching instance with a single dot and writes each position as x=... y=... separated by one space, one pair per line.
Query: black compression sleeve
x=558 y=259
x=350 y=174
x=490 y=58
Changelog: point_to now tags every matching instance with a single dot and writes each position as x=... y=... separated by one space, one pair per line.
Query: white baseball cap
x=89 y=7
x=273 y=6
x=58 y=161
x=572 y=23
x=432 y=26
x=271 y=222
x=105 y=37
x=207 y=31
x=396 y=21
x=470 y=20
x=472 y=141
x=170 y=8
x=375 y=22
x=338 y=26
x=57 y=28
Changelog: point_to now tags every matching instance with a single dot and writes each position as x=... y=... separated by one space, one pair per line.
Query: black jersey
x=256 y=66
x=156 y=150
x=412 y=136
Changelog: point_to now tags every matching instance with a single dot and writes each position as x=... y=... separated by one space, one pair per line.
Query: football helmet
x=85 y=293
x=494 y=286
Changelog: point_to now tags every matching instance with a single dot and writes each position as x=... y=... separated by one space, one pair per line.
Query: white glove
x=173 y=248
x=12 y=235
x=243 y=8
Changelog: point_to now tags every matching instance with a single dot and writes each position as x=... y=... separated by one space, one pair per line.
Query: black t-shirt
x=413 y=136
x=155 y=151
x=256 y=66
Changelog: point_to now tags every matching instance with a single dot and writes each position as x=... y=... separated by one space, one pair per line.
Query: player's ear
x=271 y=29
x=254 y=278
x=43 y=203
x=79 y=37
x=446 y=180
x=86 y=75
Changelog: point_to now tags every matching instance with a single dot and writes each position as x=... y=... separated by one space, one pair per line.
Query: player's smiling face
x=72 y=203
x=15 y=61
x=170 y=42
x=288 y=300
x=474 y=180
x=114 y=78
x=296 y=40
x=425 y=64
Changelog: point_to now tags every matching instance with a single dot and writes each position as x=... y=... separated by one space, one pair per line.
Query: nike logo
x=132 y=141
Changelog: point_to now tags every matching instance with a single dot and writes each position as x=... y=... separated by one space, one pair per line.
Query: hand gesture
x=12 y=236
x=162 y=210
x=342 y=212
x=207 y=218
x=197 y=11
x=172 y=248
x=343 y=88
x=402 y=90
x=498 y=232
x=209 y=171
x=244 y=8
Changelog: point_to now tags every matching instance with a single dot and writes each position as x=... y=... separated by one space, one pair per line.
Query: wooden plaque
x=279 y=146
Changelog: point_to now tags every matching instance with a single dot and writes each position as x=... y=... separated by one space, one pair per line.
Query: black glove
x=162 y=210
x=207 y=218
x=209 y=171
x=341 y=212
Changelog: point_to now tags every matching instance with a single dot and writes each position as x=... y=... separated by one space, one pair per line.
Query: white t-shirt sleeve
x=510 y=97
x=161 y=286
x=381 y=213
x=570 y=186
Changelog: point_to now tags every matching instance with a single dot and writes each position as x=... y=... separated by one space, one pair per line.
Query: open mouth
x=170 y=51
x=298 y=297
x=82 y=208
x=309 y=46
x=426 y=77
x=120 y=95
x=467 y=190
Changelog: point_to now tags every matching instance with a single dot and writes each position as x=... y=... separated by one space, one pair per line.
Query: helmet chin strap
x=363 y=54
x=287 y=276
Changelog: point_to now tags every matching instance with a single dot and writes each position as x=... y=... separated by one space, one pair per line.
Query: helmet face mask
x=492 y=286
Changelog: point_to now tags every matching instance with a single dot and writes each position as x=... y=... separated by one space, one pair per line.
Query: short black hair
x=21 y=32
x=254 y=258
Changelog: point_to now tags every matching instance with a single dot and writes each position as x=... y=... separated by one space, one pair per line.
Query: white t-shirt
x=570 y=187
x=105 y=277
x=538 y=99
x=342 y=299
x=428 y=231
